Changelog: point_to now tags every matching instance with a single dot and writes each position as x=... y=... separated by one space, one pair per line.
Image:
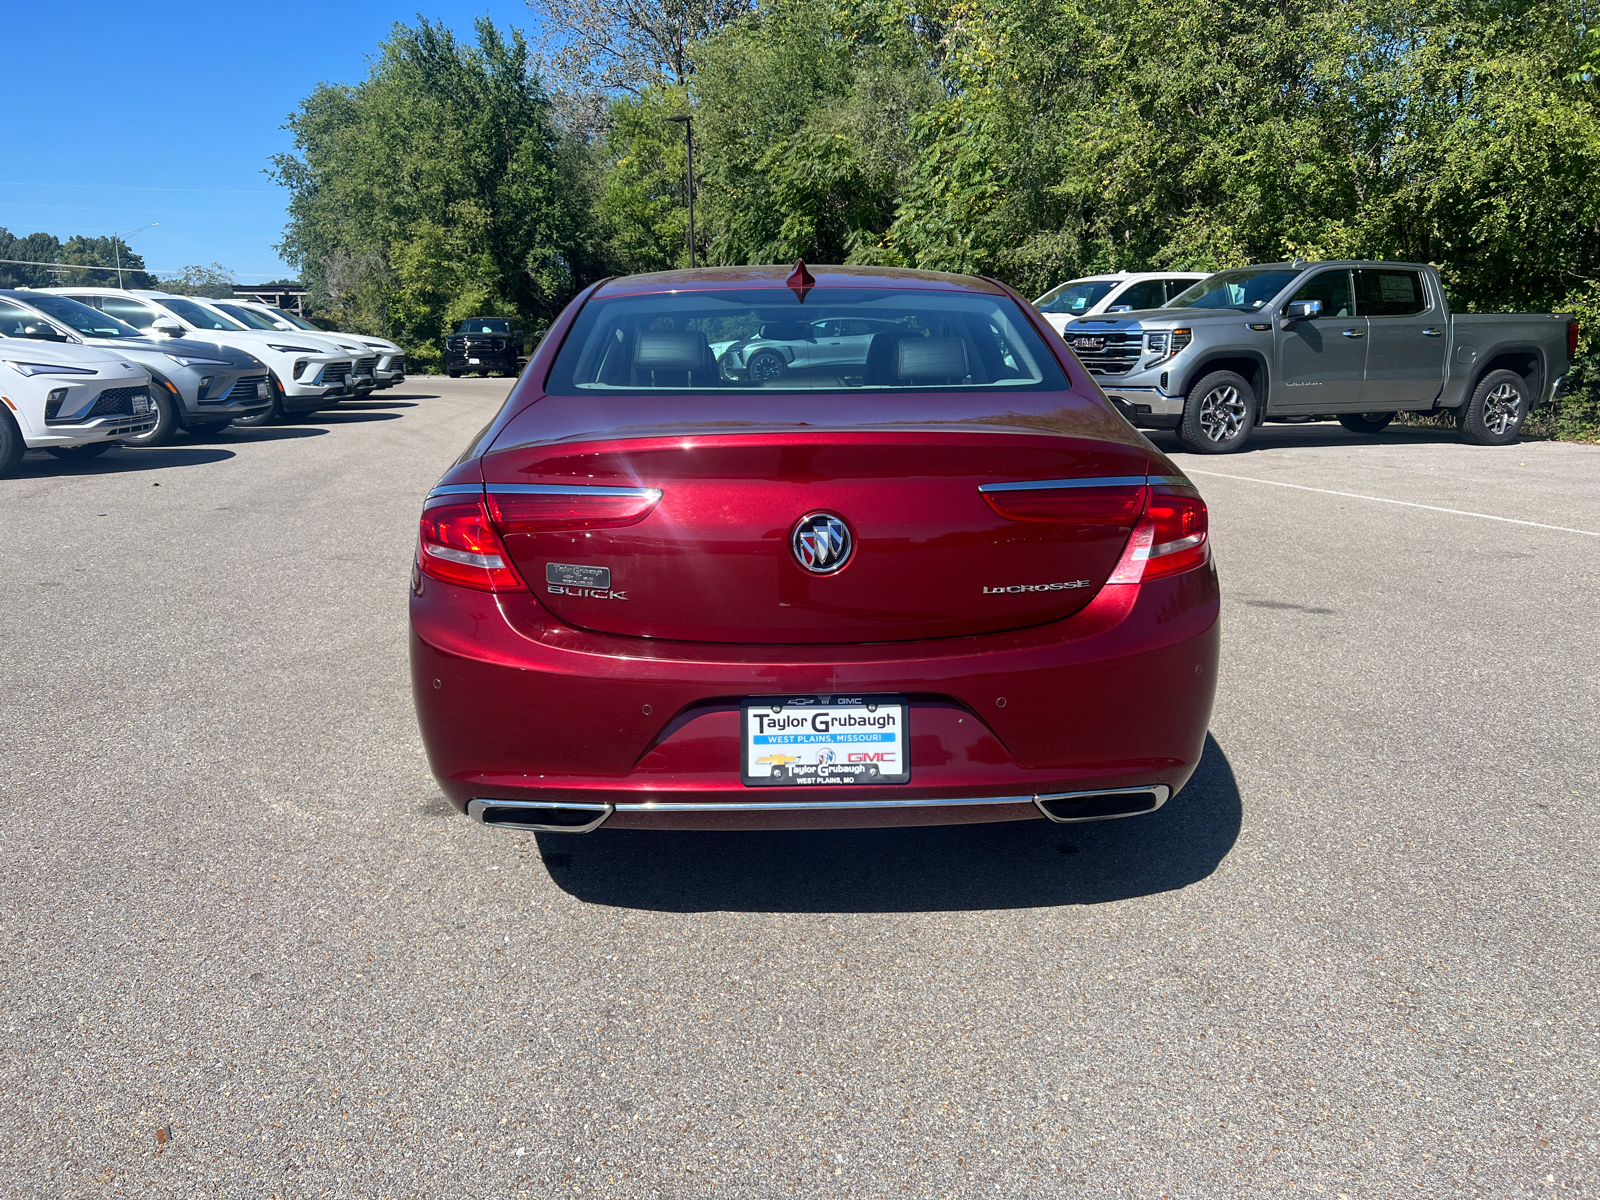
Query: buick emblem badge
x=821 y=543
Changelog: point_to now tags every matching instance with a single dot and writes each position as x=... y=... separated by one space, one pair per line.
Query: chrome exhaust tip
x=1065 y=808
x=540 y=816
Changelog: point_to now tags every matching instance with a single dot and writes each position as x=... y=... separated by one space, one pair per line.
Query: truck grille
x=1115 y=352
x=336 y=372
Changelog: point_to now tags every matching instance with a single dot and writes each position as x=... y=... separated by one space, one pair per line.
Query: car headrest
x=786 y=331
x=672 y=351
x=935 y=358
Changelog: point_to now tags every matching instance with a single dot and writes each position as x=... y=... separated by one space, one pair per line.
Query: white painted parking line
x=1457 y=512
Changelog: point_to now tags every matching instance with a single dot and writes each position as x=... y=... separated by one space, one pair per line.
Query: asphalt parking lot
x=1356 y=957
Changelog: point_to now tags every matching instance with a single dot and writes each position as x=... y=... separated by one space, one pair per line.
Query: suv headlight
x=1164 y=344
x=33 y=368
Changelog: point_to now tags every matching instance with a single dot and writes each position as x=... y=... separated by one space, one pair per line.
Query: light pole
x=116 y=245
x=688 y=132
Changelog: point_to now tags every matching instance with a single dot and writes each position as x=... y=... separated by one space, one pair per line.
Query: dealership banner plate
x=824 y=741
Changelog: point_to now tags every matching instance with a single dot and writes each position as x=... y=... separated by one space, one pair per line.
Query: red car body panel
x=541 y=695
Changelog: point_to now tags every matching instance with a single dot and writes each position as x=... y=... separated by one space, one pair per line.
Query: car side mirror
x=1302 y=310
x=169 y=329
x=44 y=332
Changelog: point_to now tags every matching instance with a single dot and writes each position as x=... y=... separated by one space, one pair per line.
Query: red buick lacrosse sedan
x=748 y=548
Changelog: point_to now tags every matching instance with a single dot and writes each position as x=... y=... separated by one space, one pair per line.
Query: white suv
x=388 y=370
x=74 y=401
x=1122 y=292
x=308 y=372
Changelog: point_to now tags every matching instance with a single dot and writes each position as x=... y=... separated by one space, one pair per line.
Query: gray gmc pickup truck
x=1304 y=341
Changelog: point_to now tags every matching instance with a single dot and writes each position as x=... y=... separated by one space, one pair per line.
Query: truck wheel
x=77 y=453
x=1365 y=422
x=166 y=427
x=1494 y=415
x=1218 y=415
x=11 y=445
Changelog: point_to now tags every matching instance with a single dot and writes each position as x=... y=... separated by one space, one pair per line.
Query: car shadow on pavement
x=369 y=405
x=119 y=461
x=246 y=434
x=1310 y=436
x=1016 y=864
x=346 y=417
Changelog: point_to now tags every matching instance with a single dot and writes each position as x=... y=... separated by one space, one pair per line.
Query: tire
x=11 y=445
x=273 y=412
x=1218 y=414
x=765 y=365
x=80 y=453
x=1365 y=422
x=1494 y=415
x=453 y=374
x=167 y=424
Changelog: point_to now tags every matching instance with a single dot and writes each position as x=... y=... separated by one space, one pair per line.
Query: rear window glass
x=762 y=339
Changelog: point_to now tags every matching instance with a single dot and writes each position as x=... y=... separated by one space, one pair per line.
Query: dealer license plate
x=263 y=392
x=141 y=404
x=823 y=741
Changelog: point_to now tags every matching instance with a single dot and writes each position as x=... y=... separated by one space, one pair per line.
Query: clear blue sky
x=120 y=114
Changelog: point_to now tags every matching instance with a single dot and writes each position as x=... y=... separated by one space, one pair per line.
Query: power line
x=124 y=187
x=28 y=262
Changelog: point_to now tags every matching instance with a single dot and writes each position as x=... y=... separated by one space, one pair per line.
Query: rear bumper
x=515 y=705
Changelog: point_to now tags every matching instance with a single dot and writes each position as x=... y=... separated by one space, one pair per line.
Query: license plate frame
x=793 y=719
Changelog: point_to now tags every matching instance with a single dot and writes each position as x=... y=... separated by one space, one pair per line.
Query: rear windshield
x=759 y=339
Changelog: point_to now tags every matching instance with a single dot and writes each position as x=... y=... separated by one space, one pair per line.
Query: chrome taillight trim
x=1033 y=485
x=573 y=489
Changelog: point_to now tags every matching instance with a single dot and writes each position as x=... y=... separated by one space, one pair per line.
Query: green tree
x=437 y=189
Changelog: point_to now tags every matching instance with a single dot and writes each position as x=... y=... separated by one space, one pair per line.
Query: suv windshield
x=763 y=338
x=1076 y=296
x=90 y=322
x=1245 y=289
x=197 y=315
x=485 y=325
x=252 y=319
x=297 y=322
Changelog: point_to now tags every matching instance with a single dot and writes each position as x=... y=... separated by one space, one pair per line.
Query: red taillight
x=1572 y=340
x=1171 y=537
x=541 y=509
x=459 y=545
x=1115 y=505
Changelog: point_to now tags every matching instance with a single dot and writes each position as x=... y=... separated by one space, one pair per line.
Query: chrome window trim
x=1162 y=793
x=1030 y=485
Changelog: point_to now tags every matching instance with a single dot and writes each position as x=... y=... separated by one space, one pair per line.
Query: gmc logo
x=865 y=756
x=1088 y=343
